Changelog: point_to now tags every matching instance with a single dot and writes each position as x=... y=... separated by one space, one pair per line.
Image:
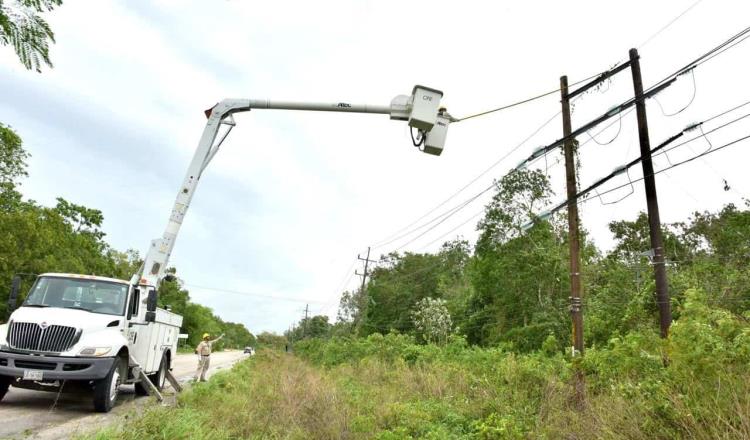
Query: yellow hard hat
x=205 y=335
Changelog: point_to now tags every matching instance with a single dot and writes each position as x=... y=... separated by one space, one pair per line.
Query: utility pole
x=364 y=284
x=364 y=275
x=660 y=274
x=573 y=229
x=304 y=329
x=574 y=240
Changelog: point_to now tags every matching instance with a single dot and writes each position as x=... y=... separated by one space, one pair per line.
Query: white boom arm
x=421 y=109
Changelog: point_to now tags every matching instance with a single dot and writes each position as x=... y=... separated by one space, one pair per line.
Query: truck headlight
x=95 y=351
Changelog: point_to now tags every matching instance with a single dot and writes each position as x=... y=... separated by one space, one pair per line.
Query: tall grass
x=389 y=387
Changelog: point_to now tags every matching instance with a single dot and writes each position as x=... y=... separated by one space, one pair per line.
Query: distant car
x=249 y=350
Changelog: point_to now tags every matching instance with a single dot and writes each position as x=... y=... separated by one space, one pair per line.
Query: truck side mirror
x=15 y=287
x=151 y=301
x=151 y=305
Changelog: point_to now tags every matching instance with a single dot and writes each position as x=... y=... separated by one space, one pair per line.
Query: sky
x=292 y=197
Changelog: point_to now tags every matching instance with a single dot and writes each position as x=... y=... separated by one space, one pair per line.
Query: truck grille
x=30 y=336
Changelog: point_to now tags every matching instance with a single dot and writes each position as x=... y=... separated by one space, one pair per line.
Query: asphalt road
x=35 y=414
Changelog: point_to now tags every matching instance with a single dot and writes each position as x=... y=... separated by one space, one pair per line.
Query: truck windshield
x=68 y=293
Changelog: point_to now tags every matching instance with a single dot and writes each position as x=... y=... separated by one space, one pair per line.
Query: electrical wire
x=256 y=295
x=632 y=191
x=391 y=239
x=695 y=89
x=675 y=165
x=733 y=121
x=456 y=210
x=452 y=230
x=643 y=44
x=729 y=43
x=660 y=149
x=671 y=22
x=619 y=129
x=524 y=101
x=651 y=91
x=726 y=45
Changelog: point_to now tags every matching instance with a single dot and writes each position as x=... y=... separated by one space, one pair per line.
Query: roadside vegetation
x=391 y=387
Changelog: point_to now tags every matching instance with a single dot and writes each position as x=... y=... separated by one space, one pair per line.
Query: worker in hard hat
x=204 y=351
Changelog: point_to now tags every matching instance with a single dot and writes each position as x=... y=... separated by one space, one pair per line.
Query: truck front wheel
x=4 y=384
x=107 y=389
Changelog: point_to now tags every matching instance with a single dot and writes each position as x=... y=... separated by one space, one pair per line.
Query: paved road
x=34 y=414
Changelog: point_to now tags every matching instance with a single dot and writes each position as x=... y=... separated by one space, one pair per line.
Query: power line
x=340 y=286
x=692 y=98
x=257 y=295
x=391 y=239
x=648 y=93
x=660 y=149
x=552 y=92
x=524 y=101
x=452 y=230
x=671 y=22
x=706 y=153
x=653 y=90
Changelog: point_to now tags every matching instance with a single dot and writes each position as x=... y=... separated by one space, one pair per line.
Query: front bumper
x=55 y=367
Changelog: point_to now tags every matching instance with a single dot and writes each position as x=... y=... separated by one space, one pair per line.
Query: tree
x=272 y=340
x=12 y=157
x=519 y=279
x=313 y=327
x=432 y=320
x=22 y=27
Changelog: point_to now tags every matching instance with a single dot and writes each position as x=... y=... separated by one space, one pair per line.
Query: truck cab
x=76 y=332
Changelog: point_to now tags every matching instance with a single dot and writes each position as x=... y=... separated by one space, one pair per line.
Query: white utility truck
x=97 y=333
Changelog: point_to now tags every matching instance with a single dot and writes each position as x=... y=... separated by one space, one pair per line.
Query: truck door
x=138 y=328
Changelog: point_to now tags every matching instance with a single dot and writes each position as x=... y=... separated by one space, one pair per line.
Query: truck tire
x=158 y=378
x=4 y=384
x=107 y=389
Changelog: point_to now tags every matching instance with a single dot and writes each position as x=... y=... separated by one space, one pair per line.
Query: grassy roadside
x=389 y=387
x=271 y=395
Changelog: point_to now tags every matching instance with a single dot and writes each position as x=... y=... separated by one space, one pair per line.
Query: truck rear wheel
x=4 y=384
x=160 y=377
x=107 y=389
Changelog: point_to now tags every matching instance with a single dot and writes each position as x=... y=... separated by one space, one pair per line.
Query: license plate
x=33 y=374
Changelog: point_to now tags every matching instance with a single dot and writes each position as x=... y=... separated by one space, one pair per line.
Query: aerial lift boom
x=421 y=109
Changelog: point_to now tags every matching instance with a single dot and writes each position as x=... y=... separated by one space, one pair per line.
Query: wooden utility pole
x=365 y=301
x=574 y=241
x=304 y=329
x=573 y=229
x=364 y=275
x=660 y=273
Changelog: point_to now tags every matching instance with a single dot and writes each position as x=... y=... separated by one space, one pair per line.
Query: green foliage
x=512 y=289
x=391 y=387
x=272 y=340
x=12 y=157
x=22 y=27
x=311 y=327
